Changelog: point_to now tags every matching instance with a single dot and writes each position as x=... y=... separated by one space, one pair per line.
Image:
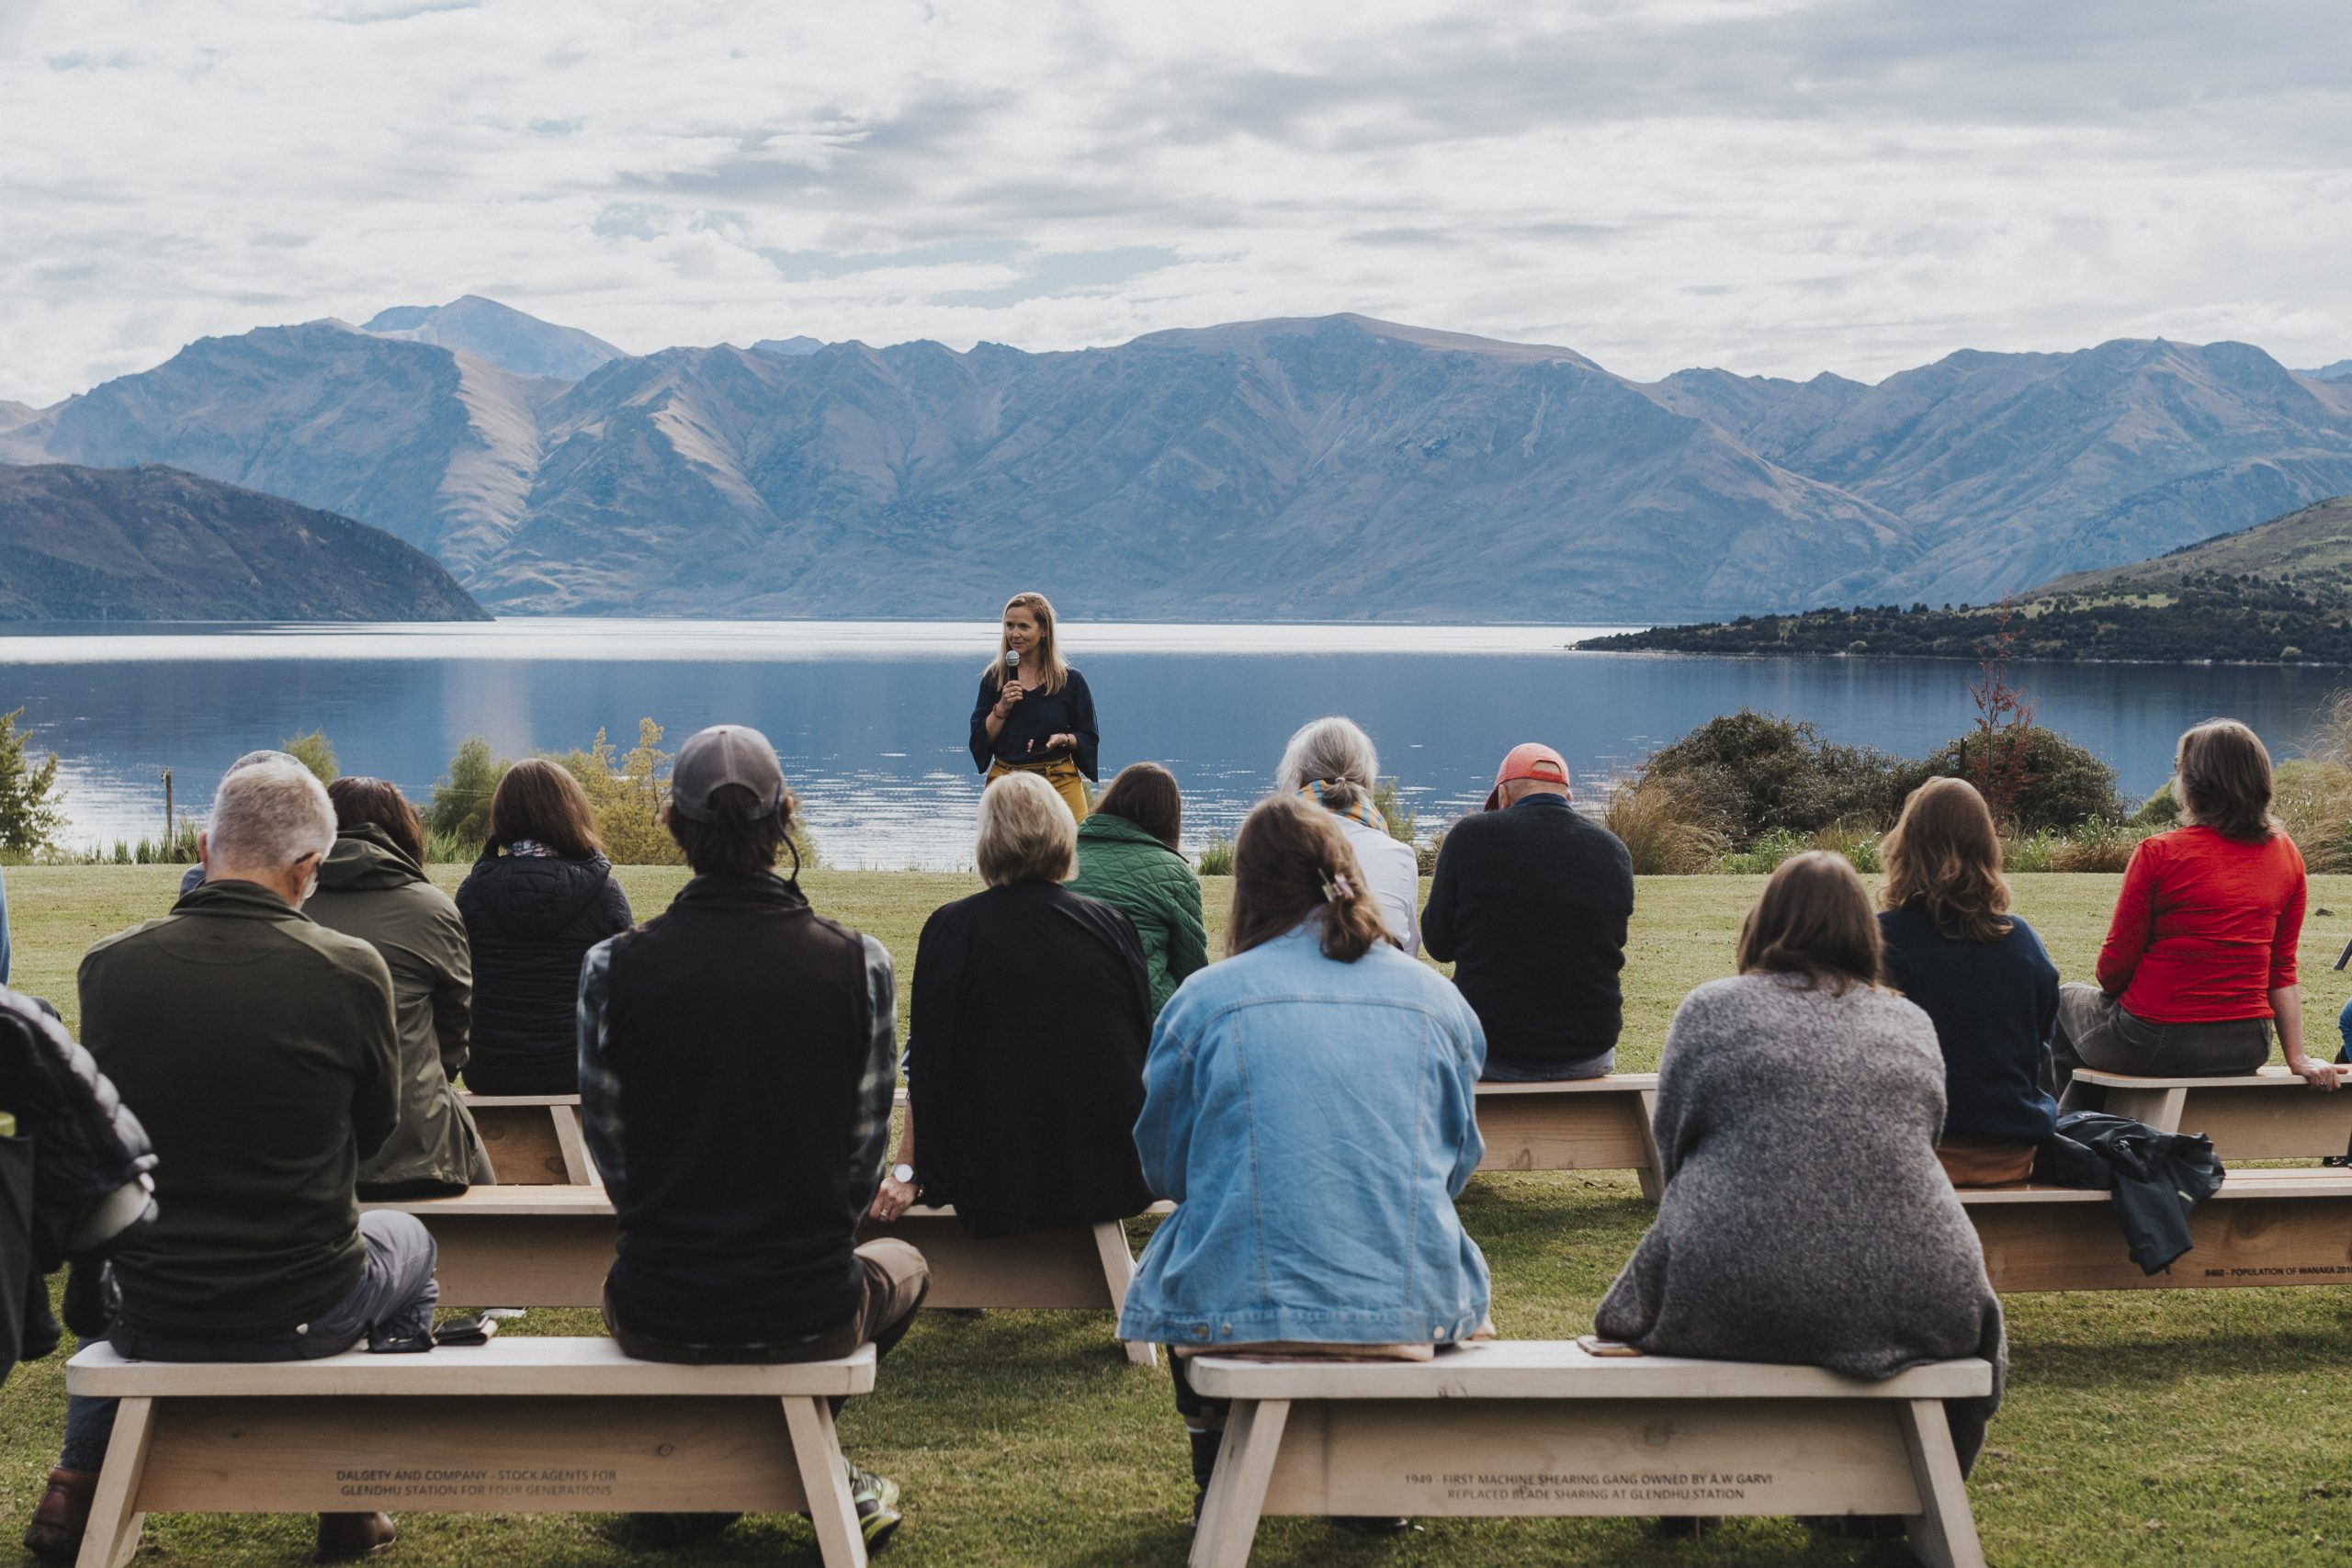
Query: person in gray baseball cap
x=738 y=1056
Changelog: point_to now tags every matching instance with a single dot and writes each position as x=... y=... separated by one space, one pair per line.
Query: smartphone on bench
x=1594 y=1345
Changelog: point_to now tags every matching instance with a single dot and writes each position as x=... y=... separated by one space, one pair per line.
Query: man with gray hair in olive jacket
x=259 y=1050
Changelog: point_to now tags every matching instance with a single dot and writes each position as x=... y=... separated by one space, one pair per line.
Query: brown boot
x=55 y=1533
x=348 y=1538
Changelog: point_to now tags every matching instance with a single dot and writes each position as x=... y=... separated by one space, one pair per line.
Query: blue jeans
x=396 y=1293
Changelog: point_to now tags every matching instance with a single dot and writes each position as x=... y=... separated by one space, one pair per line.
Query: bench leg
x=115 y=1519
x=578 y=1168
x=1653 y=1182
x=1245 y=1464
x=1118 y=1273
x=2159 y=1108
x=817 y=1450
x=1944 y=1532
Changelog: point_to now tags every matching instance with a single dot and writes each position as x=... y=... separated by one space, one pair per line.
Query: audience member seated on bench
x=373 y=886
x=259 y=1050
x=736 y=1064
x=539 y=898
x=1805 y=1219
x=2198 y=966
x=1128 y=857
x=1333 y=763
x=1025 y=1054
x=1980 y=975
x=1530 y=904
x=1307 y=1218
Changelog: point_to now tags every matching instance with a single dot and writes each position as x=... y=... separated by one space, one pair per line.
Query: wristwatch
x=904 y=1175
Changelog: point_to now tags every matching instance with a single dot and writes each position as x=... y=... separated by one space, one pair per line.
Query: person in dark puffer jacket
x=539 y=898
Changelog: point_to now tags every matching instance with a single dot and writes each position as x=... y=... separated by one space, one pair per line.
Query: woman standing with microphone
x=1034 y=714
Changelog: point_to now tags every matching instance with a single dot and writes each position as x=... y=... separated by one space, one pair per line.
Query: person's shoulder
x=353 y=958
x=131 y=943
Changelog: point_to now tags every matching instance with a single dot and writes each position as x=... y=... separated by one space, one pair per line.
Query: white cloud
x=1776 y=187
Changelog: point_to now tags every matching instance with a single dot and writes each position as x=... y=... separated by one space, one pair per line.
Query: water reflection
x=870 y=718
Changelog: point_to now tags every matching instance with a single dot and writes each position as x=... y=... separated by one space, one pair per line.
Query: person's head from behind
x=1290 y=861
x=1530 y=768
x=2223 y=777
x=1334 y=757
x=1943 y=857
x=378 y=803
x=272 y=824
x=1146 y=794
x=728 y=809
x=1813 y=920
x=1026 y=834
x=541 y=802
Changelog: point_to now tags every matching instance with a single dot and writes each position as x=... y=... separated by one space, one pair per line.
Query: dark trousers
x=2094 y=1031
x=895 y=1280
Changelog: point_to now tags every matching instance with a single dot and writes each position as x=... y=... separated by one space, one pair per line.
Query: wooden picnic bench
x=1585 y=1124
x=1542 y=1429
x=2269 y=1113
x=520 y=1425
x=553 y=1245
x=534 y=1140
x=2264 y=1228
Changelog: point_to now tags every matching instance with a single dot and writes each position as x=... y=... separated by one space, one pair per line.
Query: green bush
x=31 y=814
x=1748 y=774
x=1765 y=855
x=1857 y=843
x=1217 y=856
x=2160 y=810
x=314 y=752
x=1660 y=828
x=2066 y=785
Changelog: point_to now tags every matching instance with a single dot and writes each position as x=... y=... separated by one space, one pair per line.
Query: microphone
x=1013 y=664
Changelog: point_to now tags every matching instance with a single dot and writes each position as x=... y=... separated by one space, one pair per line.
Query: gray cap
x=724 y=754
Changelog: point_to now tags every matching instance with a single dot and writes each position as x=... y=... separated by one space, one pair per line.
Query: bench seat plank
x=2274 y=1076
x=1538 y=1368
x=516 y=1365
x=2269 y=1113
x=2263 y=1228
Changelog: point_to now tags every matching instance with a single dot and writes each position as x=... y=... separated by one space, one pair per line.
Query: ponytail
x=1290 y=861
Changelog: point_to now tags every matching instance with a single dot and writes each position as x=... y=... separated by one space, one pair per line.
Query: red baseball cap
x=1530 y=759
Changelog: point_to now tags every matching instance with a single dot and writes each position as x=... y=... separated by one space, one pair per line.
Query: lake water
x=870 y=717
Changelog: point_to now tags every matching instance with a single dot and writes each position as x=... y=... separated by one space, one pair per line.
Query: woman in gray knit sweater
x=1805 y=1218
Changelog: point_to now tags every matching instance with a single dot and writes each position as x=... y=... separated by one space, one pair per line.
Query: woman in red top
x=2198 y=966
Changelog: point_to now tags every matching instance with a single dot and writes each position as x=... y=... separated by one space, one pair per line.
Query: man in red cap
x=1530 y=904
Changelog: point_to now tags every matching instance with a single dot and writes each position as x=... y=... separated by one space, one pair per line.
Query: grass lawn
x=2190 y=1427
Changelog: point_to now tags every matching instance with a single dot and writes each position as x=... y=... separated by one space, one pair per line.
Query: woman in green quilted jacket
x=1128 y=857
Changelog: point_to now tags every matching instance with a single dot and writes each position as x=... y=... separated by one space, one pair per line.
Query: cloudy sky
x=1773 y=185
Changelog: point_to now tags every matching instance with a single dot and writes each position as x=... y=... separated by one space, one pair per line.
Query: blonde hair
x=1026 y=833
x=2224 y=781
x=1049 y=648
x=1944 y=858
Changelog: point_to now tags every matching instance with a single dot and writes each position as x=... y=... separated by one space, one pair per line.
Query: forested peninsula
x=2278 y=593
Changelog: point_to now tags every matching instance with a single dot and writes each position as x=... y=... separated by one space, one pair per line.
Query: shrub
x=2064 y=784
x=2160 y=810
x=1217 y=856
x=2095 y=846
x=1858 y=844
x=459 y=809
x=2315 y=801
x=314 y=752
x=1763 y=857
x=1395 y=815
x=625 y=793
x=1661 y=830
x=2037 y=852
x=31 y=814
x=1748 y=774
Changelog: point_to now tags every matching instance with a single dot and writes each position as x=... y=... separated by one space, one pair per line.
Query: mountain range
x=153 y=544
x=1326 y=467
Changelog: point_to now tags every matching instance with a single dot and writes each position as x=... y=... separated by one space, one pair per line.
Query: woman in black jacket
x=1024 y=1055
x=539 y=898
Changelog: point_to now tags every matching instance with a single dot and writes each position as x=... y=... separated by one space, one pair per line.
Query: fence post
x=167 y=811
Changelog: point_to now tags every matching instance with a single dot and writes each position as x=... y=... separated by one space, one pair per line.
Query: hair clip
x=1338 y=889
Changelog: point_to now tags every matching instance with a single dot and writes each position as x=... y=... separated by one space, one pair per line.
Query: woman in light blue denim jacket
x=1309 y=1105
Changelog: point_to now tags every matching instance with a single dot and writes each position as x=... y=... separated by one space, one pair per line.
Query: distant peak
x=788 y=348
x=512 y=339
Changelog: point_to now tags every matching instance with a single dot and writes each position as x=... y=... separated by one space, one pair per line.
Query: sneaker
x=876 y=1497
x=1372 y=1525
x=55 y=1533
x=348 y=1538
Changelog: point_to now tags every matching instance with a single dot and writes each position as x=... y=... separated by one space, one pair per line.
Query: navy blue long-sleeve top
x=1992 y=1004
x=1041 y=716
